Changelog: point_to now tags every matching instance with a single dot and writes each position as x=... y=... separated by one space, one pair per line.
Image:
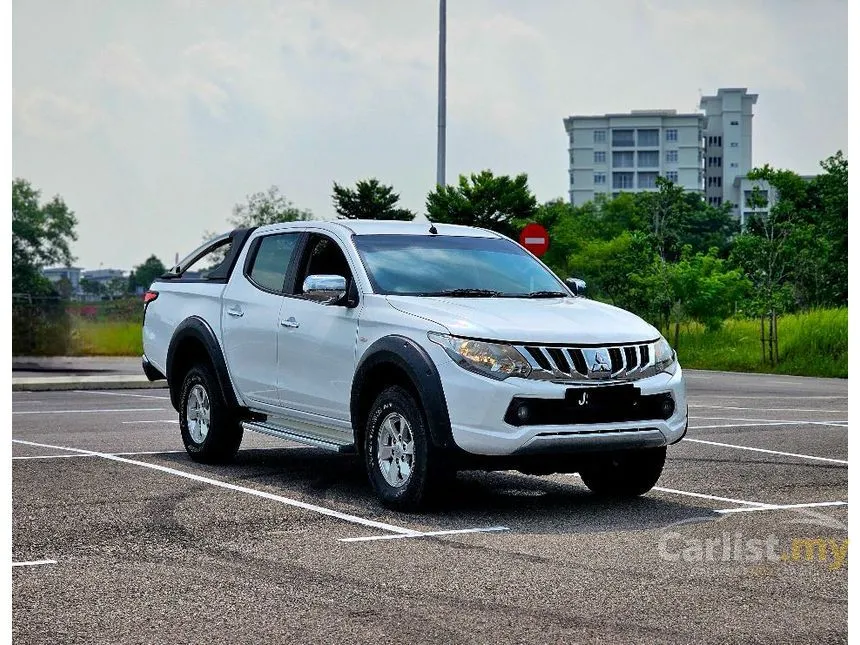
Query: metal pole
x=440 y=144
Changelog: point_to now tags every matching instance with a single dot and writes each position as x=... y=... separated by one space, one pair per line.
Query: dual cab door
x=284 y=350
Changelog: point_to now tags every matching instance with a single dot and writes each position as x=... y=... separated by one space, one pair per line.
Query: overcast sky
x=153 y=118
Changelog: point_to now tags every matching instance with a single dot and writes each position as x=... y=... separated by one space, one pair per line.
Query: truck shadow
x=548 y=504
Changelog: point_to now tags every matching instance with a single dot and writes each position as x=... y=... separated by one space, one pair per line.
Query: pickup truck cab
x=424 y=348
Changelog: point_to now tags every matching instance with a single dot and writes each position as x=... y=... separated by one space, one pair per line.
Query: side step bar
x=291 y=435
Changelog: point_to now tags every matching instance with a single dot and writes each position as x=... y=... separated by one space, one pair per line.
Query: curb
x=58 y=383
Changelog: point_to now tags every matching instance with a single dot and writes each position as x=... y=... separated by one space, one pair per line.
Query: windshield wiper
x=544 y=294
x=465 y=293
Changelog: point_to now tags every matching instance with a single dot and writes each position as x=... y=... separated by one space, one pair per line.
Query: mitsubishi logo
x=598 y=362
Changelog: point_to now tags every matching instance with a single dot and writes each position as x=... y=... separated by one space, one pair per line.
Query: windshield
x=444 y=265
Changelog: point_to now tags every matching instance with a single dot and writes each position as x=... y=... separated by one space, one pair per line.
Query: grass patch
x=105 y=338
x=814 y=343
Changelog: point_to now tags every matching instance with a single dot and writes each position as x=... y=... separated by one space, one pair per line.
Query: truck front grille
x=577 y=364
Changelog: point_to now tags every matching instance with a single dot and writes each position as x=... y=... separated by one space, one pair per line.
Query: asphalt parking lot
x=118 y=537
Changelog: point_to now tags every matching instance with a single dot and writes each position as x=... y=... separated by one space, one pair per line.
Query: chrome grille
x=566 y=364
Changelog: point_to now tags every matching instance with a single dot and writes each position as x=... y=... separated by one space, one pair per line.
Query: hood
x=540 y=320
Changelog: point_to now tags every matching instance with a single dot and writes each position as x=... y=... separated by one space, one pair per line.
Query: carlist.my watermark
x=736 y=547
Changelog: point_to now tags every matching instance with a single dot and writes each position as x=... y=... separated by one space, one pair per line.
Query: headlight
x=664 y=356
x=489 y=359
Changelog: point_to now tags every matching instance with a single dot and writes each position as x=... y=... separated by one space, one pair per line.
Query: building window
x=720 y=141
x=671 y=134
x=733 y=164
x=649 y=159
x=600 y=136
x=671 y=156
x=571 y=157
x=734 y=144
x=599 y=156
x=648 y=138
x=647 y=180
x=571 y=138
x=719 y=162
x=672 y=175
x=734 y=123
x=622 y=138
x=622 y=159
x=719 y=182
x=600 y=179
x=622 y=180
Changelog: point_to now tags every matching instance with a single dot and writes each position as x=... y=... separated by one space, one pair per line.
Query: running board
x=290 y=435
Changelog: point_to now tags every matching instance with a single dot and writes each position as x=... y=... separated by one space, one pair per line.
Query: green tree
x=831 y=191
x=485 y=201
x=41 y=235
x=269 y=207
x=368 y=200
x=144 y=274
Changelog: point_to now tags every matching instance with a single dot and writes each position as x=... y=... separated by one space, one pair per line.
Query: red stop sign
x=535 y=238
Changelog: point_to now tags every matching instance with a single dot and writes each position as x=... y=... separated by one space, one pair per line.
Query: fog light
x=668 y=408
x=523 y=413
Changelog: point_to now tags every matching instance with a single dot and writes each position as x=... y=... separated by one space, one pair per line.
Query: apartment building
x=728 y=147
x=612 y=153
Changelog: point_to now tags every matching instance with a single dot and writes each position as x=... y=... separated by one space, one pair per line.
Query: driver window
x=323 y=257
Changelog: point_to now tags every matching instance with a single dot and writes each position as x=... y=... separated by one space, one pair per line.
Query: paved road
x=152 y=548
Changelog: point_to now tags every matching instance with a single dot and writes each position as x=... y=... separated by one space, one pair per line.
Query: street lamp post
x=440 y=143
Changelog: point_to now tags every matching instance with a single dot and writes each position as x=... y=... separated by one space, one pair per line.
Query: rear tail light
x=149 y=296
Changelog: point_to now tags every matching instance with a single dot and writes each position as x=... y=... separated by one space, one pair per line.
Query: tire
x=624 y=474
x=220 y=438
x=397 y=430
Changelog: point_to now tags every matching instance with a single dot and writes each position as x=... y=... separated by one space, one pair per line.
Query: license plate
x=591 y=397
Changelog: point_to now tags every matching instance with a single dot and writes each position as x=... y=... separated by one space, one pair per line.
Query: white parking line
x=733 y=407
x=489 y=529
x=354 y=519
x=101 y=410
x=778 y=507
x=122 y=454
x=675 y=491
x=153 y=421
x=33 y=563
x=776 y=421
x=764 y=396
x=140 y=396
x=769 y=423
x=770 y=452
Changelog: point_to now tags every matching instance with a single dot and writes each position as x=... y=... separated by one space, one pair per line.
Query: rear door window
x=272 y=257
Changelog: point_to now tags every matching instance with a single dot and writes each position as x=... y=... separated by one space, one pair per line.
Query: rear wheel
x=402 y=463
x=211 y=431
x=628 y=473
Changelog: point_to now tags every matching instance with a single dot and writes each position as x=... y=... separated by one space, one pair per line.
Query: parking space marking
x=771 y=452
x=733 y=407
x=777 y=421
x=153 y=421
x=764 y=396
x=354 y=519
x=418 y=534
x=675 y=491
x=140 y=396
x=779 y=507
x=766 y=423
x=122 y=454
x=33 y=563
x=97 y=411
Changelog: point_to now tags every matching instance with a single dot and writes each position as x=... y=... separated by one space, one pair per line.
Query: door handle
x=289 y=322
x=236 y=312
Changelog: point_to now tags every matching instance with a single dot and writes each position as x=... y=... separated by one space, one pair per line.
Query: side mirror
x=576 y=285
x=325 y=289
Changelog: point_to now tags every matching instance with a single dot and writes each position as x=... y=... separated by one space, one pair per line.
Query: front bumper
x=477 y=406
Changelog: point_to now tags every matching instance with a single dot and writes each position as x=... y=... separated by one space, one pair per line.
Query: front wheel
x=629 y=473
x=401 y=461
x=211 y=431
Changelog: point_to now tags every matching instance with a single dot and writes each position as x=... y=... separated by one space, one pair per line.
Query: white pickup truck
x=424 y=348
